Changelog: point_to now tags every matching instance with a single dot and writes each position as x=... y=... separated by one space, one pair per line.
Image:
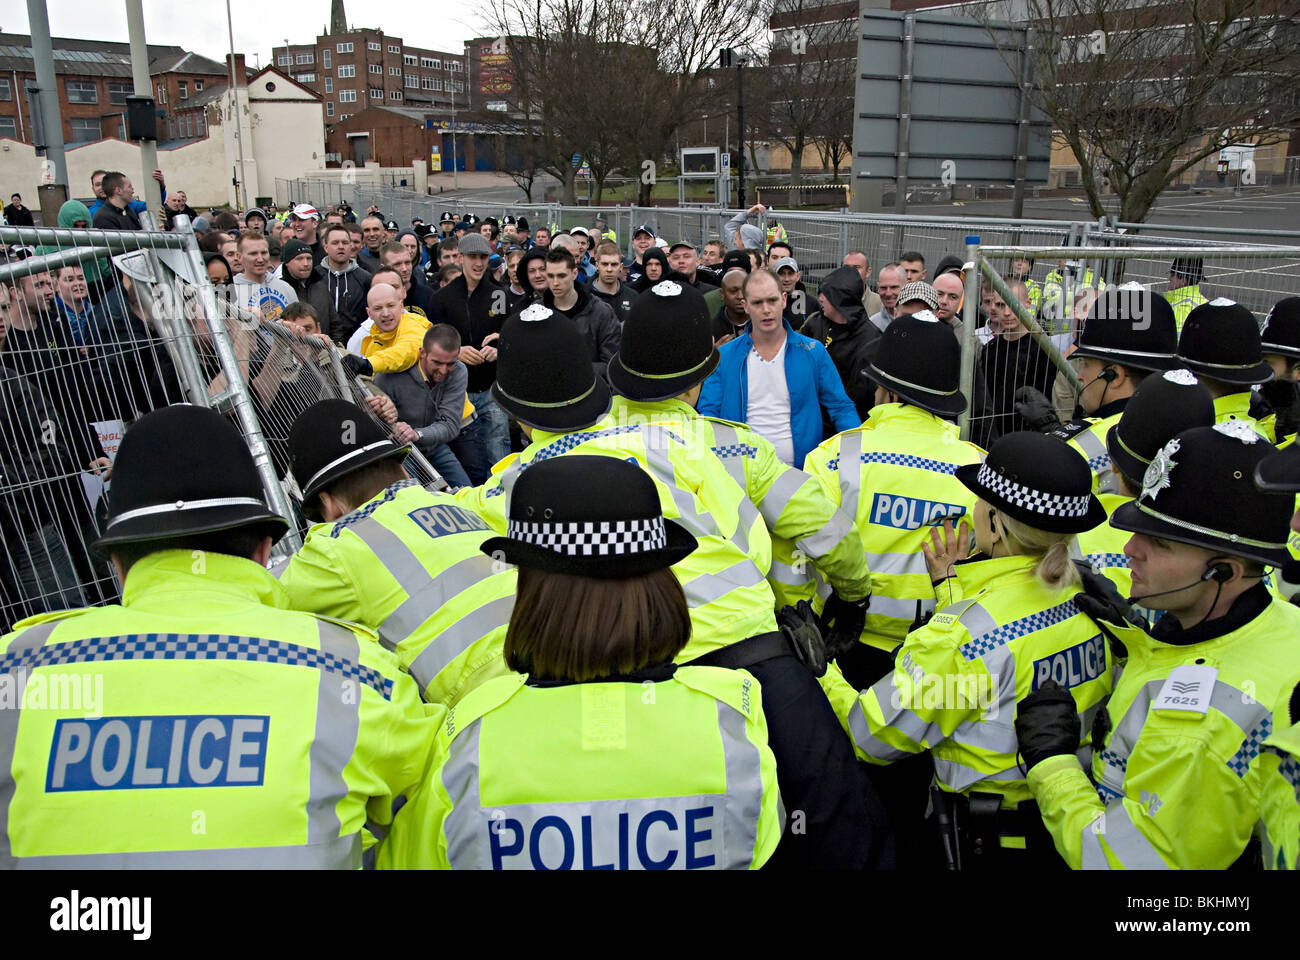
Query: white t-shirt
x=363 y=331
x=768 y=413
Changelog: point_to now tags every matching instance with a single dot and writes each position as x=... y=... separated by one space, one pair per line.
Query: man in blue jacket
x=775 y=380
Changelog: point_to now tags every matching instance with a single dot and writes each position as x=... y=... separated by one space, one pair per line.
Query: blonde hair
x=1054 y=570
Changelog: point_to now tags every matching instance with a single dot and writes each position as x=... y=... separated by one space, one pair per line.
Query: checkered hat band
x=593 y=538
x=1035 y=501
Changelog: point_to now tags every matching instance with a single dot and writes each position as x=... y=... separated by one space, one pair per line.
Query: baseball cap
x=644 y=229
x=680 y=244
x=787 y=262
x=304 y=211
x=474 y=243
x=580 y=230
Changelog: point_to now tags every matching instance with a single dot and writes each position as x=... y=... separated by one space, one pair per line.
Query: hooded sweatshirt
x=851 y=344
x=348 y=289
x=95 y=269
x=654 y=253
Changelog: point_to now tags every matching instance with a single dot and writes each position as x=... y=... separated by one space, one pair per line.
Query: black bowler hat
x=919 y=359
x=508 y=221
x=592 y=516
x=184 y=470
x=521 y=224
x=1280 y=471
x=447 y=217
x=1037 y=480
x=1281 y=333
x=331 y=439
x=1200 y=489
x=1189 y=268
x=1132 y=326
x=1164 y=406
x=667 y=344
x=544 y=373
x=1220 y=340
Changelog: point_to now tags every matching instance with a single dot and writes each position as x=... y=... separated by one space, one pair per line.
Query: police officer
x=546 y=382
x=1184 y=293
x=201 y=678
x=1280 y=757
x=394 y=557
x=1061 y=288
x=601 y=753
x=1164 y=406
x=1280 y=344
x=1129 y=333
x=1176 y=769
x=1011 y=621
x=1220 y=343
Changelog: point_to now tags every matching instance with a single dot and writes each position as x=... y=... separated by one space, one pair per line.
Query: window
x=394 y=94
x=329 y=108
x=162 y=93
x=431 y=83
x=83 y=91
x=198 y=85
x=347 y=70
x=121 y=129
x=375 y=68
x=184 y=87
x=410 y=59
x=200 y=128
x=394 y=48
x=117 y=92
x=412 y=81
x=374 y=45
x=84 y=129
x=430 y=63
x=9 y=127
x=394 y=71
x=282 y=60
x=376 y=94
x=455 y=66
x=306 y=78
x=329 y=84
x=186 y=127
x=6 y=91
x=344 y=48
x=347 y=96
x=455 y=86
x=325 y=58
x=308 y=57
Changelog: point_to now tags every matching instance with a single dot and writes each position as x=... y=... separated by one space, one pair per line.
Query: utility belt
x=978 y=833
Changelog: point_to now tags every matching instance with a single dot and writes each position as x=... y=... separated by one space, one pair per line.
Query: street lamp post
x=725 y=59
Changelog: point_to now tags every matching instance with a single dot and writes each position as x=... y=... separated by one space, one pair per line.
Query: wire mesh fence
x=98 y=328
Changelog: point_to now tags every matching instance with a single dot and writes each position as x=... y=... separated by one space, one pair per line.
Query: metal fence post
x=969 y=315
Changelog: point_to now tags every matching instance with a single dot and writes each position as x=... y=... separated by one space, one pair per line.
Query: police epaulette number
x=1070 y=429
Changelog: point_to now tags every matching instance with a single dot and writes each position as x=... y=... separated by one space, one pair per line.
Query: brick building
x=94 y=80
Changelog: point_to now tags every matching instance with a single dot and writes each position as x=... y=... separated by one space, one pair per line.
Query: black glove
x=357 y=366
x=1283 y=396
x=799 y=624
x=1036 y=410
x=842 y=622
x=1047 y=724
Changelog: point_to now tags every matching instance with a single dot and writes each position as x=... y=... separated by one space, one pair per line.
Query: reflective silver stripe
x=360 y=451
x=1126 y=842
x=439 y=653
x=1091 y=444
x=744 y=799
x=404 y=566
x=338 y=853
x=460 y=775
x=905 y=721
x=977 y=621
x=896 y=564
x=898 y=609
x=26 y=641
x=725 y=436
x=850 y=472
x=1094 y=450
x=180 y=506
x=779 y=495
x=433 y=595
x=707 y=588
x=338 y=719
x=786 y=574
x=867 y=742
x=828 y=537
x=960 y=778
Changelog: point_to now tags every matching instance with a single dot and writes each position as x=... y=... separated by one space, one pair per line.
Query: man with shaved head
x=393 y=343
x=949 y=290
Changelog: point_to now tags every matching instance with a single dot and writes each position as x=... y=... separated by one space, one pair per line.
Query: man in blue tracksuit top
x=775 y=380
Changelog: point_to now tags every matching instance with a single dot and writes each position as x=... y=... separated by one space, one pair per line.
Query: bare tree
x=1142 y=92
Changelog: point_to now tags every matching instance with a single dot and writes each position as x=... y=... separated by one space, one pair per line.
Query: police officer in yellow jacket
x=602 y=754
x=665 y=354
x=1220 y=343
x=216 y=728
x=1015 y=622
x=394 y=557
x=545 y=381
x=1176 y=772
x=1184 y=293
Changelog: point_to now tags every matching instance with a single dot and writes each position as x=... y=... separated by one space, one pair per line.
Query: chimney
x=241 y=71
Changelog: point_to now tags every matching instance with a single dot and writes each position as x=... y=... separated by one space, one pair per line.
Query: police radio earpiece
x=1108 y=375
x=1218 y=572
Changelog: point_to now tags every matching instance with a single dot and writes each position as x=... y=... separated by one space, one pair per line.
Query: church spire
x=338 y=19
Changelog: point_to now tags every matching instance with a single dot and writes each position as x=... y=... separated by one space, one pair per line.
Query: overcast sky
x=259 y=25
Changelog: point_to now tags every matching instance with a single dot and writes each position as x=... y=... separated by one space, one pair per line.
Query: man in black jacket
x=850 y=338
x=607 y=286
x=17 y=214
x=347 y=283
x=116 y=213
x=312 y=286
x=594 y=318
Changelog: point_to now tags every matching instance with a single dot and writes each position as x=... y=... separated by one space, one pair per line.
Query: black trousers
x=834 y=820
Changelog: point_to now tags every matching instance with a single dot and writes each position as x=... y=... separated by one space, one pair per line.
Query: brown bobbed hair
x=575 y=628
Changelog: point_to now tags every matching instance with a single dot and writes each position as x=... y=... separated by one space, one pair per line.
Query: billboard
x=495 y=76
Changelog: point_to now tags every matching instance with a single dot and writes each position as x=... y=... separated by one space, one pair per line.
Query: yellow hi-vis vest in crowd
x=1184 y=300
x=1180 y=770
x=407 y=565
x=667 y=775
x=1087 y=438
x=808 y=532
x=725 y=577
x=957 y=680
x=201 y=724
x=1236 y=406
x=1279 y=800
x=895 y=476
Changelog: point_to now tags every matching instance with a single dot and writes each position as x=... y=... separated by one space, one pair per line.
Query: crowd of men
x=808 y=430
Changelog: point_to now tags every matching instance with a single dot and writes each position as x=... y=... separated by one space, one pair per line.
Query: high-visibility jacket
x=776 y=234
x=1279 y=800
x=1087 y=437
x=1184 y=300
x=724 y=578
x=895 y=476
x=673 y=774
x=1181 y=787
x=1035 y=293
x=407 y=565
x=1102 y=547
x=957 y=680
x=1054 y=304
x=123 y=718
x=808 y=532
x=1236 y=406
